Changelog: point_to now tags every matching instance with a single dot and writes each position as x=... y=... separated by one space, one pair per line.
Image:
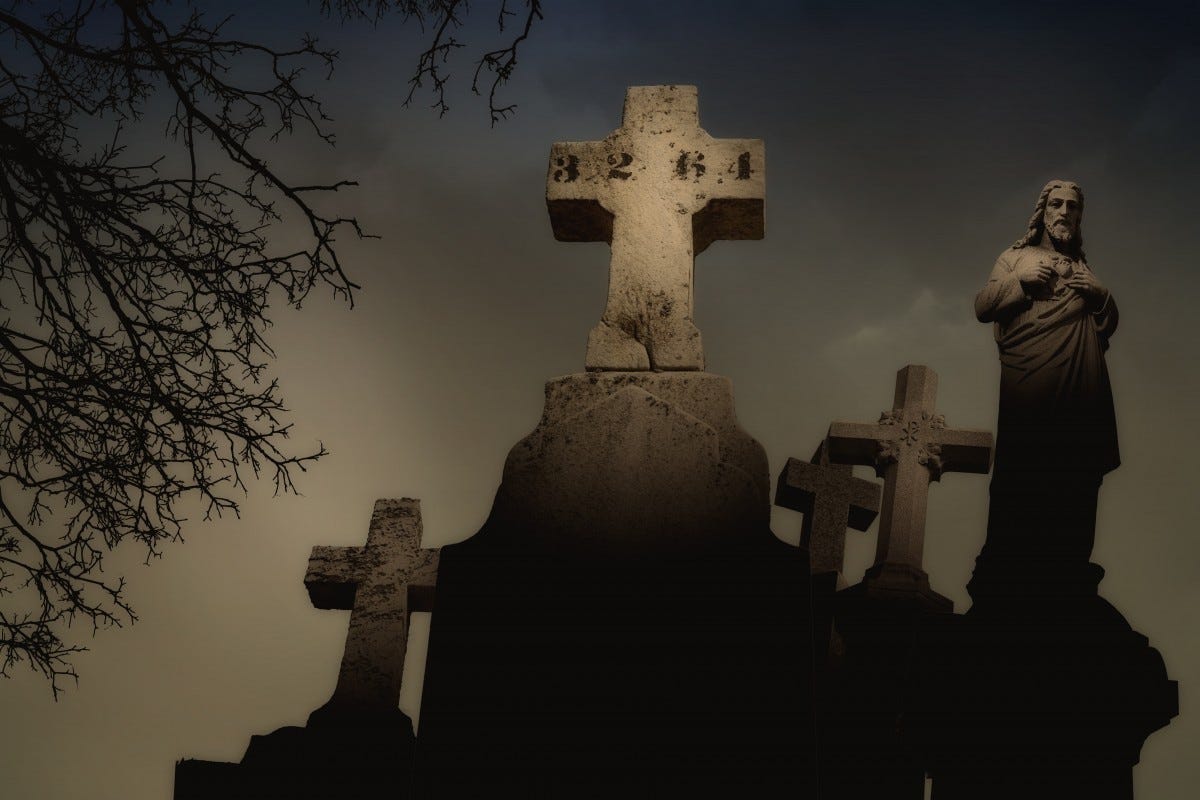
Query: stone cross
x=831 y=499
x=659 y=189
x=382 y=584
x=909 y=447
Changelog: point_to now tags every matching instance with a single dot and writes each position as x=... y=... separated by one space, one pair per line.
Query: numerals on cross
x=831 y=499
x=909 y=447
x=659 y=189
x=382 y=584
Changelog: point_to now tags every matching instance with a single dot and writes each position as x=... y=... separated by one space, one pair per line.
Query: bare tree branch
x=135 y=288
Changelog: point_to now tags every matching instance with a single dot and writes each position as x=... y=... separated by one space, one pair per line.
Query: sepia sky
x=904 y=151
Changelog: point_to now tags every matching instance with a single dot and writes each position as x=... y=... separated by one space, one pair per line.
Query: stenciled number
x=743 y=166
x=617 y=170
x=568 y=169
x=686 y=162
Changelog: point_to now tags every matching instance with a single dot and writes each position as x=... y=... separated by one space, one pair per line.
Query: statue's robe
x=1056 y=432
x=1056 y=405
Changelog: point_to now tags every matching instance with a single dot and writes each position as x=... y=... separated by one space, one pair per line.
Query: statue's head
x=1058 y=214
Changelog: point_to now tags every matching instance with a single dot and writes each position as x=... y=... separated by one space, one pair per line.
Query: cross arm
x=794 y=489
x=856 y=442
x=965 y=450
x=331 y=577
x=864 y=503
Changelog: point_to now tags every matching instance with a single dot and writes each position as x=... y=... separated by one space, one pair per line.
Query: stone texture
x=659 y=454
x=626 y=571
x=909 y=447
x=359 y=745
x=659 y=189
x=831 y=499
x=381 y=583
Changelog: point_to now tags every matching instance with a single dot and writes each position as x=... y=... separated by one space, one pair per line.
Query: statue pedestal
x=1041 y=690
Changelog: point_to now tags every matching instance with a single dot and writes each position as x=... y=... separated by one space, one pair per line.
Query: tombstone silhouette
x=358 y=745
x=625 y=622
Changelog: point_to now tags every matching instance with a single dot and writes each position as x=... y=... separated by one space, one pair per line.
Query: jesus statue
x=1056 y=431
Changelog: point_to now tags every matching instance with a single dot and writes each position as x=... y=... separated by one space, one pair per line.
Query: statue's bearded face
x=1063 y=212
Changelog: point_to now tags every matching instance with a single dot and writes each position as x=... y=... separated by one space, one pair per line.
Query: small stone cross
x=659 y=189
x=831 y=499
x=382 y=584
x=909 y=447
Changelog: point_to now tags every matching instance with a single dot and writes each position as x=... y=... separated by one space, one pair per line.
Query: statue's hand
x=1092 y=291
x=1034 y=273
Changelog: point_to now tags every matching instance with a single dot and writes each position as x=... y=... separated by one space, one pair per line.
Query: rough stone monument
x=1042 y=690
x=359 y=741
x=659 y=190
x=909 y=447
x=625 y=623
x=863 y=750
x=831 y=499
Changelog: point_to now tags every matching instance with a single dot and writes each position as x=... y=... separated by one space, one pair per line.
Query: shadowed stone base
x=1041 y=690
x=633 y=461
x=1006 y=704
x=902 y=585
x=353 y=758
x=625 y=623
x=864 y=751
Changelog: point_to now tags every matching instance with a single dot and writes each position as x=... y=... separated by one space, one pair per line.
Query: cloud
x=929 y=326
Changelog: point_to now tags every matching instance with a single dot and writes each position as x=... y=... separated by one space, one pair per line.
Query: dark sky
x=905 y=149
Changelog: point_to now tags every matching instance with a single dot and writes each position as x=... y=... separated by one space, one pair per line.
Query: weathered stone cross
x=909 y=447
x=382 y=584
x=659 y=189
x=831 y=499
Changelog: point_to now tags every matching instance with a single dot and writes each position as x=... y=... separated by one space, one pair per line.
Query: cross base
x=674 y=344
x=900 y=583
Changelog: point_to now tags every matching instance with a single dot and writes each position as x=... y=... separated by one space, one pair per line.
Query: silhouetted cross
x=909 y=447
x=382 y=584
x=831 y=499
x=660 y=190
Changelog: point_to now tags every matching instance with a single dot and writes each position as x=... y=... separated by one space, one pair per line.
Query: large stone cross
x=831 y=499
x=909 y=447
x=659 y=189
x=382 y=584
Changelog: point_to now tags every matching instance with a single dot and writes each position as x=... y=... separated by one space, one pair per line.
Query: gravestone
x=831 y=499
x=909 y=447
x=625 y=622
x=381 y=584
x=865 y=752
x=660 y=190
x=359 y=743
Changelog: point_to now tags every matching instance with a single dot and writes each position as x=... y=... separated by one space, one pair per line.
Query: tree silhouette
x=136 y=276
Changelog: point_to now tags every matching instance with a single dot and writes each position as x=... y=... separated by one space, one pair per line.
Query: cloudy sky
x=905 y=149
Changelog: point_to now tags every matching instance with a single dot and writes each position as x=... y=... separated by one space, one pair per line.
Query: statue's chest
x=1062 y=267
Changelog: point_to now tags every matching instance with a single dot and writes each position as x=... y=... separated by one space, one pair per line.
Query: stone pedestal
x=1042 y=690
x=624 y=623
x=351 y=757
x=865 y=751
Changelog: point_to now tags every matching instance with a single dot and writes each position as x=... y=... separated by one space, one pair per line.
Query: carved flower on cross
x=887 y=452
x=930 y=456
x=893 y=417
